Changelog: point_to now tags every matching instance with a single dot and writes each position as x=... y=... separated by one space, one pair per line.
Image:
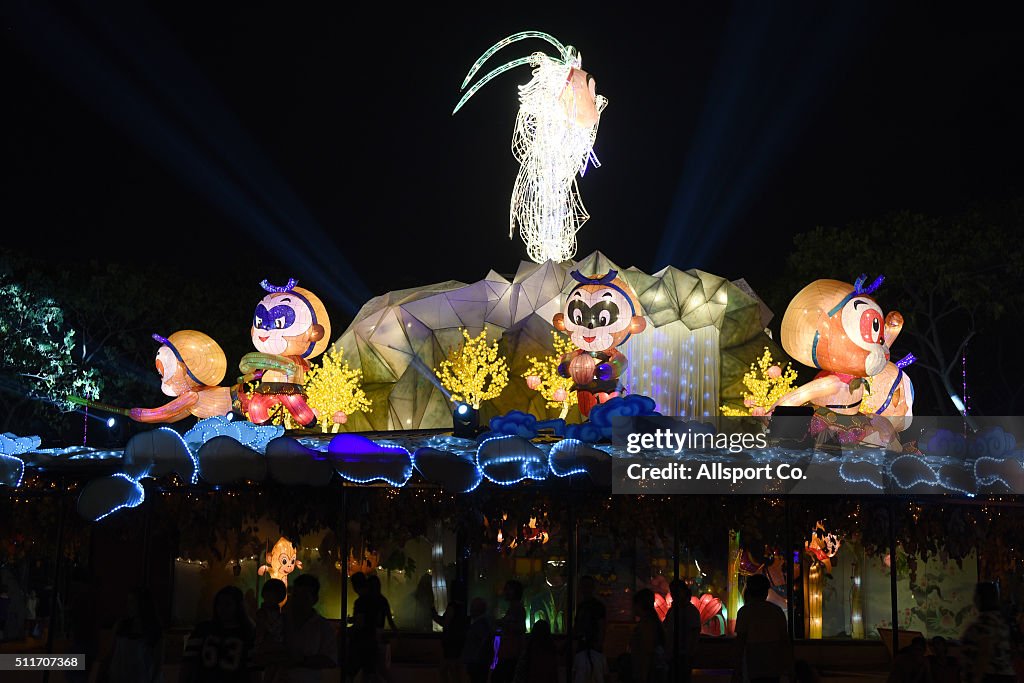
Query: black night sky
x=319 y=143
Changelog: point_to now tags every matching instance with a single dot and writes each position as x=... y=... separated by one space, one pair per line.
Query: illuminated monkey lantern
x=281 y=561
x=891 y=394
x=840 y=329
x=191 y=365
x=289 y=327
x=600 y=313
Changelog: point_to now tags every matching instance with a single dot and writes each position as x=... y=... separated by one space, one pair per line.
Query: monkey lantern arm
x=177 y=409
x=253 y=362
x=613 y=367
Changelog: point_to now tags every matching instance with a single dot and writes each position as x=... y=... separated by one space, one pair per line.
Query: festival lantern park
x=460 y=435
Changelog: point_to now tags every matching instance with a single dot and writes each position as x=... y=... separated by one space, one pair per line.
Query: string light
x=963 y=370
x=667 y=365
x=17 y=463
x=130 y=503
x=814 y=601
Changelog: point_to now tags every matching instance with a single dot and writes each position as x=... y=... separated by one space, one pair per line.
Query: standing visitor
x=221 y=649
x=591 y=617
x=310 y=639
x=910 y=665
x=478 y=650
x=986 y=654
x=382 y=616
x=454 y=624
x=423 y=605
x=138 y=642
x=942 y=667
x=590 y=666
x=648 y=662
x=682 y=630
x=512 y=630
x=269 y=639
x=763 y=647
x=539 y=661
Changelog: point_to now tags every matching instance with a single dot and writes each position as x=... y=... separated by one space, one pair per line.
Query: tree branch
x=959 y=351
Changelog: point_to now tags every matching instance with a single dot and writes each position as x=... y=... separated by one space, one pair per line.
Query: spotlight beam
x=765 y=86
x=199 y=140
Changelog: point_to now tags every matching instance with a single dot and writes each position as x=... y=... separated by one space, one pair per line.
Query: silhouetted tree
x=952 y=278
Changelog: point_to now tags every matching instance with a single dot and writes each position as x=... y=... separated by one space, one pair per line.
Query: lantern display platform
x=218 y=451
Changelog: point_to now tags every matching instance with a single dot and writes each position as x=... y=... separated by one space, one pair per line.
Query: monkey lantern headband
x=559 y=111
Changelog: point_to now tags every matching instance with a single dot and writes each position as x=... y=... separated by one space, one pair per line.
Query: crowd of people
x=287 y=641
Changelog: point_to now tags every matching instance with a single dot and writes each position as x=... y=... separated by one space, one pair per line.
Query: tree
x=114 y=309
x=37 y=370
x=474 y=372
x=766 y=383
x=952 y=278
x=332 y=387
x=333 y=391
x=543 y=376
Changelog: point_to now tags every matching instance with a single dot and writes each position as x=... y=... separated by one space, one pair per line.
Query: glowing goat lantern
x=559 y=111
x=191 y=365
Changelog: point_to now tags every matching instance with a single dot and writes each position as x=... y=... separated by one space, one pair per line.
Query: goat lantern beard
x=172 y=376
x=599 y=317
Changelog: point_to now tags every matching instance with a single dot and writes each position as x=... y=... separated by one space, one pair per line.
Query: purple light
x=859 y=288
x=963 y=362
x=902 y=363
x=267 y=287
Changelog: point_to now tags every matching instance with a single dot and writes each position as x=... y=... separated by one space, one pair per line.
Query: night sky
x=319 y=144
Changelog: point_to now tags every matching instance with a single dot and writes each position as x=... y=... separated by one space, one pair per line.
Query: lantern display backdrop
x=677 y=367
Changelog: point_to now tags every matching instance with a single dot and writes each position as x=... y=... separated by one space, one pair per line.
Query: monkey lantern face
x=864 y=325
x=597 y=317
x=283 y=325
x=832 y=328
x=173 y=378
